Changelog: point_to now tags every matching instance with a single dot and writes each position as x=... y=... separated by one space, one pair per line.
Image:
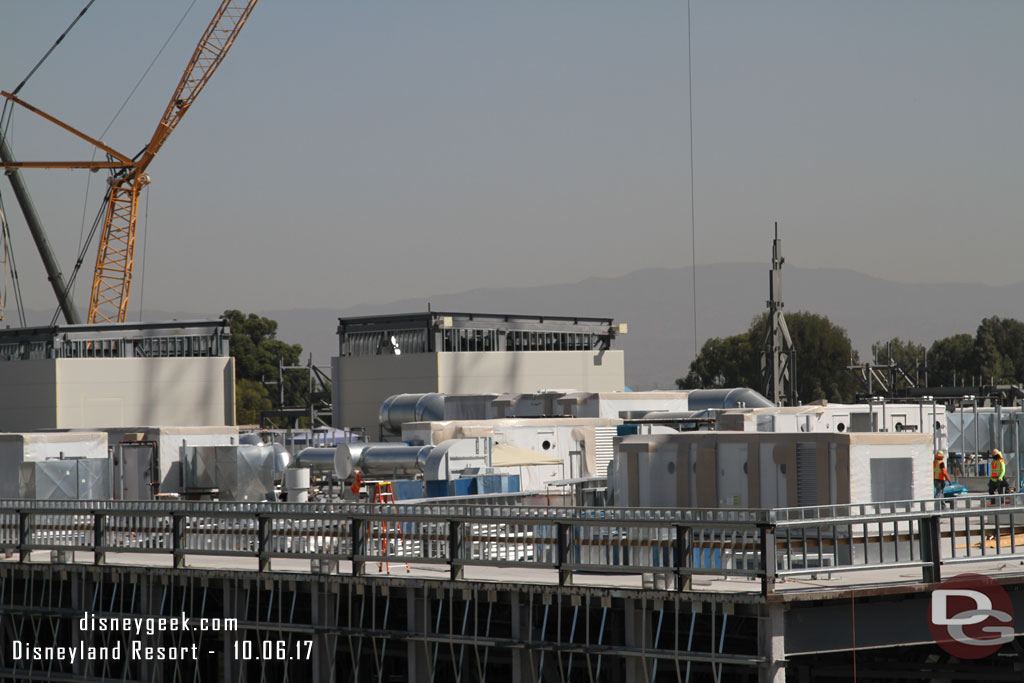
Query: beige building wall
x=530 y=371
x=363 y=382
x=121 y=392
x=28 y=395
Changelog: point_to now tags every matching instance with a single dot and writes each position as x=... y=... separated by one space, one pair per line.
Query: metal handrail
x=675 y=543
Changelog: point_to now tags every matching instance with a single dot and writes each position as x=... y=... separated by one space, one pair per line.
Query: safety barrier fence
x=671 y=545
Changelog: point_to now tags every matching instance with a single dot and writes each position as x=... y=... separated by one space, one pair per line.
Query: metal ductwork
x=738 y=397
x=673 y=415
x=403 y=408
x=380 y=459
x=316 y=459
x=282 y=458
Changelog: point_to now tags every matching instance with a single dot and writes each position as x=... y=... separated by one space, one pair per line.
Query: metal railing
x=674 y=545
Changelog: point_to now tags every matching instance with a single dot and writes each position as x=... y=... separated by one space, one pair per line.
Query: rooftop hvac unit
x=69 y=479
x=241 y=473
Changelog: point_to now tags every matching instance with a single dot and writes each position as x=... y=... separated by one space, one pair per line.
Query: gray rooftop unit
x=235 y=473
x=70 y=479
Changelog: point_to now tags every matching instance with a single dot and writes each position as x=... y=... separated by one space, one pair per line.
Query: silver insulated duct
x=402 y=408
x=739 y=397
x=376 y=460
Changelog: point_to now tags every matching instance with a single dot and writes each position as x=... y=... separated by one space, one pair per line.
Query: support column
x=637 y=636
x=417 y=605
x=324 y=601
x=771 y=638
x=521 y=631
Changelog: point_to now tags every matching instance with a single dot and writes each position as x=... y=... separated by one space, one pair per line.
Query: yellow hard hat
x=996 y=453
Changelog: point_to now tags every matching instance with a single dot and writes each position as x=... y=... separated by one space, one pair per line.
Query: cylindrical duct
x=702 y=399
x=348 y=455
x=381 y=459
x=402 y=408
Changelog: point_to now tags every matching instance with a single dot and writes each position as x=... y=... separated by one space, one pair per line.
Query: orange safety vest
x=998 y=469
x=939 y=471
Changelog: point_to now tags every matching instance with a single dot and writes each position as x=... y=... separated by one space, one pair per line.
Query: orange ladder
x=384 y=494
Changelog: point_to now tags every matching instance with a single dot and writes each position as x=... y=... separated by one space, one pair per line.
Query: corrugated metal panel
x=806 y=474
x=604 y=449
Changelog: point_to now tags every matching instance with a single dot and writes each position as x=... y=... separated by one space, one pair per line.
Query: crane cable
x=6 y=118
x=693 y=214
x=82 y=252
x=53 y=47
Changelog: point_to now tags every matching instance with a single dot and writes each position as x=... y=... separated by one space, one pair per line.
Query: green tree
x=951 y=358
x=257 y=351
x=727 y=362
x=999 y=344
x=823 y=351
x=907 y=354
x=251 y=399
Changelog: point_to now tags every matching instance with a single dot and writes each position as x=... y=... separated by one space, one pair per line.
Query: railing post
x=178 y=539
x=769 y=561
x=683 y=557
x=455 y=549
x=358 y=546
x=23 y=535
x=263 y=542
x=930 y=549
x=99 y=540
x=564 y=546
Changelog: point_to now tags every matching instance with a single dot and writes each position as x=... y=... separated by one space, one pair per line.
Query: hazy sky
x=360 y=152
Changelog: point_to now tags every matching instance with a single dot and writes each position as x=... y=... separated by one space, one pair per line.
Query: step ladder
x=384 y=494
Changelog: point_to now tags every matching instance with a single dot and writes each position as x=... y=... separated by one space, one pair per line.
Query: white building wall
x=866 y=447
x=530 y=371
x=83 y=393
x=117 y=392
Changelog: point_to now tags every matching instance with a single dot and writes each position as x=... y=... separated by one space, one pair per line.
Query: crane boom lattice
x=115 y=259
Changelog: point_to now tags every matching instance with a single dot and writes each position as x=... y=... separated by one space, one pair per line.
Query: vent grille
x=806 y=474
x=604 y=449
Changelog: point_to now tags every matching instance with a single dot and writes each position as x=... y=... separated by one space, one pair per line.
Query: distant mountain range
x=657 y=304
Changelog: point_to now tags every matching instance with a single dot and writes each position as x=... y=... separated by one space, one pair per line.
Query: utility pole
x=778 y=355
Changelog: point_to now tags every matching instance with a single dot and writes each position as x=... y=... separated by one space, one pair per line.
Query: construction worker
x=939 y=474
x=997 y=479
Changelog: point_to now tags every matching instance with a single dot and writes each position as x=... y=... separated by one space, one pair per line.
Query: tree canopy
x=257 y=351
x=823 y=353
x=994 y=354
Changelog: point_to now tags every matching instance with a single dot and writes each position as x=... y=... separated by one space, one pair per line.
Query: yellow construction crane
x=111 y=285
